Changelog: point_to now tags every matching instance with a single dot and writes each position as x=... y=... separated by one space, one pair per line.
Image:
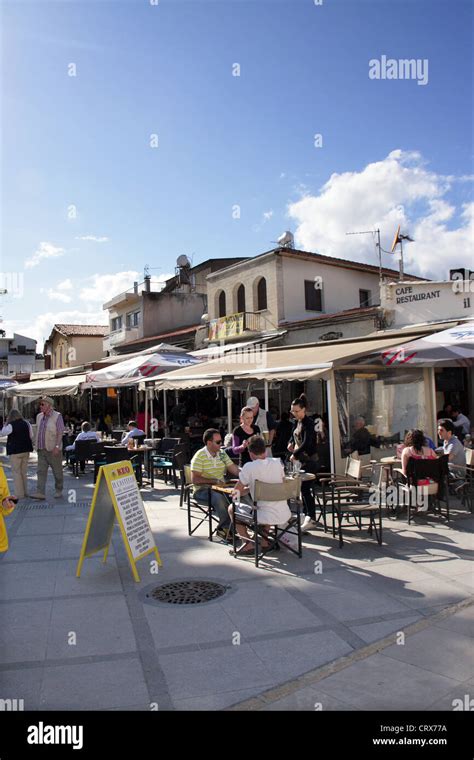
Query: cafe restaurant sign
x=409 y=303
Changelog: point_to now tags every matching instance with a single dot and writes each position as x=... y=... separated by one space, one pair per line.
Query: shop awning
x=453 y=347
x=216 y=350
x=58 y=386
x=139 y=368
x=290 y=363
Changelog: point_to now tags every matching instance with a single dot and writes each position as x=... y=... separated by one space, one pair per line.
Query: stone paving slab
x=289 y=620
x=94 y=686
x=382 y=683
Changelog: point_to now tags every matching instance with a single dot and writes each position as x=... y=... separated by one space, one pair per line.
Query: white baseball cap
x=252 y=401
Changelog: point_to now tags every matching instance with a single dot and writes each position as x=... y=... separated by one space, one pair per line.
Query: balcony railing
x=124 y=335
x=234 y=325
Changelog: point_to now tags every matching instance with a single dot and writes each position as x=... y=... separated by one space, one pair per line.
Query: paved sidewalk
x=98 y=643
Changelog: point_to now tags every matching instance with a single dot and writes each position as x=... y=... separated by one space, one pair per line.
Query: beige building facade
x=74 y=345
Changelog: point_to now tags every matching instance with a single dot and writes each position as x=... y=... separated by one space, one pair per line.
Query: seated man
x=209 y=466
x=86 y=434
x=453 y=447
x=133 y=432
x=266 y=470
x=361 y=438
x=461 y=423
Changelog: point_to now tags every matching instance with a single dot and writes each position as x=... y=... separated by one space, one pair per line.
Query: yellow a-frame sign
x=116 y=496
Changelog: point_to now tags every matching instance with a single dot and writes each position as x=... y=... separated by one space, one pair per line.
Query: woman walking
x=19 y=446
x=302 y=447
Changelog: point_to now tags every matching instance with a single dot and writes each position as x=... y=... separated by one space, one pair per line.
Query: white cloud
x=94 y=238
x=397 y=190
x=40 y=328
x=45 y=250
x=267 y=215
x=59 y=294
x=100 y=288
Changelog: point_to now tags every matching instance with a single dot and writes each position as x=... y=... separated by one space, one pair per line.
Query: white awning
x=288 y=363
x=59 y=386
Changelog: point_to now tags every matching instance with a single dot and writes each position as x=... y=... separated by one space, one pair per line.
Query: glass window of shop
x=376 y=408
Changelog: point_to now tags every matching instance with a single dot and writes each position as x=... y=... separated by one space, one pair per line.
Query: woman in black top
x=19 y=446
x=302 y=446
x=242 y=433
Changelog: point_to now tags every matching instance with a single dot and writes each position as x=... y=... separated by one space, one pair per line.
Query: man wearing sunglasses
x=49 y=442
x=209 y=466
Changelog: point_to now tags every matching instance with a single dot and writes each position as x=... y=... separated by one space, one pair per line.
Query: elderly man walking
x=49 y=436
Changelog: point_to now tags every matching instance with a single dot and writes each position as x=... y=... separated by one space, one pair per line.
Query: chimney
x=147 y=283
x=135 y=288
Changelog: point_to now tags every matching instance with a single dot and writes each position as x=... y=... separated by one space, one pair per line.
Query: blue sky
x=403 y=151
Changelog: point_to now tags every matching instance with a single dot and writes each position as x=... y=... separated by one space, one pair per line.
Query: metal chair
x=325 y=483
x=436 y=470
x=83 y=452
x=357 y=501
x=290 y=491
x=196 y=510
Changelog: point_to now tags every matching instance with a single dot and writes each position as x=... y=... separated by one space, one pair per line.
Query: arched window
x=241 y=298
x=222 y=308
x=262 y=294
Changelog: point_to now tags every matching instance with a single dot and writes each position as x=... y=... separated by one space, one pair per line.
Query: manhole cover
x=187 y=592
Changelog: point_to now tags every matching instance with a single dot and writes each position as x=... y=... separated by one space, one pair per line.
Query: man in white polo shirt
x=267 y=470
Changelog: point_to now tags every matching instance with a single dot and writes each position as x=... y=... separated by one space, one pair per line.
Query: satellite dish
x=286 y=240
x=396 y=240
x=183 y=261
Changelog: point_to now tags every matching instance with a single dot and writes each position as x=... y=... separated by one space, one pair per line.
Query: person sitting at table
x=361 y=437
x=453 y=447
x=428 y=442
x=461 y=423
x=416 y=448
x=133 y=432
x=209 y=466
x=86 y=434
x=267 y=470
x=242 y=434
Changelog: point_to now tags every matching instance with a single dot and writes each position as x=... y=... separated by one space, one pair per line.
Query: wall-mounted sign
x=408 y=303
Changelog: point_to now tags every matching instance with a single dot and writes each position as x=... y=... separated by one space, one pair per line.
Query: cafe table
x=388 y=463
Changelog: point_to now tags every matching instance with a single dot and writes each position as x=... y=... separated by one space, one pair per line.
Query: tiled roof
x=87 y=330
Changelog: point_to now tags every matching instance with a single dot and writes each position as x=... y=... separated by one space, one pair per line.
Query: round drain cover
x=187 y=592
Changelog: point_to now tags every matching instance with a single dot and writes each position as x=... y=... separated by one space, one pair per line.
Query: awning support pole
x=146 y=409
x=265 y=386
x=165 y=412
x=229 y=385
x=118 y=406
x=332 y=422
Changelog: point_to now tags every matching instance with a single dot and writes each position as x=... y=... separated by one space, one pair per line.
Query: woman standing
x=19 y=446
x=242 y=433
x=302 y=446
